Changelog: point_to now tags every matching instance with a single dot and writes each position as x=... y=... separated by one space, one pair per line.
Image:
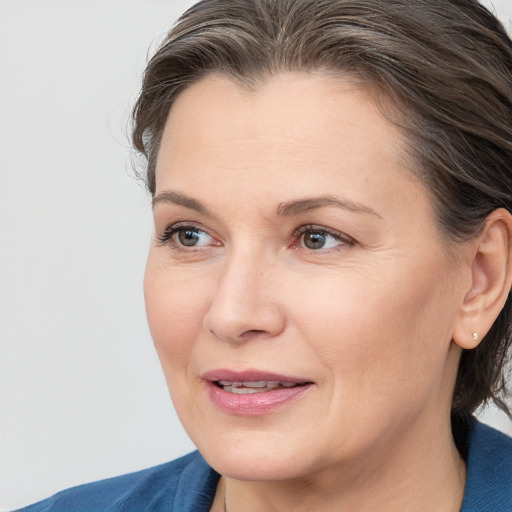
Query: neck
x=421 y=473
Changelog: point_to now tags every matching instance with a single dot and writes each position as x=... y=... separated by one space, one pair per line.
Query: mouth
x=248 y=387
x=253 y=393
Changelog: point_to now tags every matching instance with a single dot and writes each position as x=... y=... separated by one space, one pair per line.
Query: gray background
x=82 y=395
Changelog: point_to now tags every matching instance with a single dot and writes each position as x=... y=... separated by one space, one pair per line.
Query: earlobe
x=491 y=277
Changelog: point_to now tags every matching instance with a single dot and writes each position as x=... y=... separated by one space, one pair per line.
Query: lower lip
x=254 y=404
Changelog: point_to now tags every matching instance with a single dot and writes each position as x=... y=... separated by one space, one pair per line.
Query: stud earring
x=475 y=336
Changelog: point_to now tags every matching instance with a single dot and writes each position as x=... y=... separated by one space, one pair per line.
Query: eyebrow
x=287 y=209
x=299 y=206
x=170 y=196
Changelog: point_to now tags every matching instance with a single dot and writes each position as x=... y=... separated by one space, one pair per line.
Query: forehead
x=296 y=116
x=297 y=134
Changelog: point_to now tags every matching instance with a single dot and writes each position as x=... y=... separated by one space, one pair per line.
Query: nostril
x=252 y=332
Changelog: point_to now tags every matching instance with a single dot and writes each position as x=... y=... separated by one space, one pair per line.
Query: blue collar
x=489 y=478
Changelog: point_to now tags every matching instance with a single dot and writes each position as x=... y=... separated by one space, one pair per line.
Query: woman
x=328 y=284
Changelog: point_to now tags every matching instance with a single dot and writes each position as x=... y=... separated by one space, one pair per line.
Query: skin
x=370 y=318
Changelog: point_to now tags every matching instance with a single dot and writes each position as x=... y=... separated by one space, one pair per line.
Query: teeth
x=259 y=384
x=253 y=387
x=243 y=391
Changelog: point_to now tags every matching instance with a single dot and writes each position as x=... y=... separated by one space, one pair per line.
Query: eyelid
x=342 y=237
x=167 y=236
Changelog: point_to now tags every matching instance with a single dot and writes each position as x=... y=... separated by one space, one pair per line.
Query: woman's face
x=299 y=294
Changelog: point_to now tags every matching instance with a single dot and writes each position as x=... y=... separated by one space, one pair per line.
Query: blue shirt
x=188 y=484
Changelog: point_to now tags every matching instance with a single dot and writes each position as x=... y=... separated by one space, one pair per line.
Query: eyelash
x=344 y=240
x=170 y=231
x=167 y=236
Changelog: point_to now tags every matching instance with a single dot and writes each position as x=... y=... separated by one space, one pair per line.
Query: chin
x=256 y=465
x=259 y=455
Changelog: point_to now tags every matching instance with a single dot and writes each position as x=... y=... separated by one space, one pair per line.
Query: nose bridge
x=243 y=304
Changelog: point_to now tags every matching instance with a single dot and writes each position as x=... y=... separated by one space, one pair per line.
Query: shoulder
x=187 y=483
x=489 y=478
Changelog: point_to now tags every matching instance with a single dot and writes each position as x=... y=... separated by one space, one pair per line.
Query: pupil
x=314 y=240
x=188 y=238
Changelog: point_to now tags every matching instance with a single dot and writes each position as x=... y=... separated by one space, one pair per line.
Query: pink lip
x=249 y=376
x=253 y=404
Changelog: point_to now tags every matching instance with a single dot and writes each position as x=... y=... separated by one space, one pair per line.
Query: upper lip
x=250 y=376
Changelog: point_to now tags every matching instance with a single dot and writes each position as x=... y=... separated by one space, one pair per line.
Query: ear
x=491 y=278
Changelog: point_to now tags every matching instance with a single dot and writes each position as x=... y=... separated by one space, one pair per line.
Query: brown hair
x=446 y=64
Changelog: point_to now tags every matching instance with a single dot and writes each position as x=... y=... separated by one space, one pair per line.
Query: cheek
x=378 y=333
x=175 y=310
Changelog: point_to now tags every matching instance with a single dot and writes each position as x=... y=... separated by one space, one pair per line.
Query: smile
x=262 y=386
x=253 y=393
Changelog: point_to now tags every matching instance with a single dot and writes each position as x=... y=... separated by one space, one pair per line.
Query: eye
x=186 y=236
x=191 y=237
x=316 y=238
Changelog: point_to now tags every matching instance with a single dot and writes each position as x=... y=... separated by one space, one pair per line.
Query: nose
x=245 y=304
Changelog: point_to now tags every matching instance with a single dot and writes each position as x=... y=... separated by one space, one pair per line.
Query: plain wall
x=82 y=395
